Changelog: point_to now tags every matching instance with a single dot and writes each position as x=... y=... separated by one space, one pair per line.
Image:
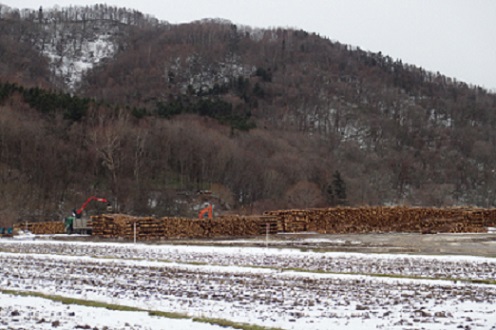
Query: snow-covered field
x=17 y=312
x=283 y=288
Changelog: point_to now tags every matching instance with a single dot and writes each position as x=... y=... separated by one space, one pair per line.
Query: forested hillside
x=109 y=101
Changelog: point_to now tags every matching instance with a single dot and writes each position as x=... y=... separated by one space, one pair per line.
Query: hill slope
x=264 y=118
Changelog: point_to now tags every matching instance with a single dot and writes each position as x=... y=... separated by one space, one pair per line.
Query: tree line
x=265 y=118
x=50 y=162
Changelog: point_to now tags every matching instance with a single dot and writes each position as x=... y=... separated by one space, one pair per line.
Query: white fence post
x=267 y=235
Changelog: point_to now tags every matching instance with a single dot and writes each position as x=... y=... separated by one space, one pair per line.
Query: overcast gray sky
x=455 y=37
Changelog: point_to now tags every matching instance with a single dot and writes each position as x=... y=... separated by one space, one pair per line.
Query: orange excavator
x=206 y=212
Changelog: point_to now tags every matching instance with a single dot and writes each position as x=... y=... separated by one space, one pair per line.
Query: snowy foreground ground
x=280 y=288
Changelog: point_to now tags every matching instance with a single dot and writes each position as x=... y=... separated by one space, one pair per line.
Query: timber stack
x=346 y=220
x=148 y=228
x=41 y=228
x=337 y=220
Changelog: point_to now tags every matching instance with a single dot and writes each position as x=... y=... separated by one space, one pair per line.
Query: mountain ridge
x=280 y=112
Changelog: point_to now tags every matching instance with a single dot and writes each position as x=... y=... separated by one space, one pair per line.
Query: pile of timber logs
x=341 y=220
x=41 y=228
x=147 y=228
x=338 y=220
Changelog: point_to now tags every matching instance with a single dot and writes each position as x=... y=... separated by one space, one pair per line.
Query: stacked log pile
x=338 y=220
x=109 y=225
x=147 y=228
x=341 y=220
x=244 y=225
x=41 y=228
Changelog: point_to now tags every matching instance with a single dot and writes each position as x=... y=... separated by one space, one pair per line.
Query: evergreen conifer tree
x=338 y=189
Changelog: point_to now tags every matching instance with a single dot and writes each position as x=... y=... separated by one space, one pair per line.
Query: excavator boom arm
x=92 y=198
x=207 y=211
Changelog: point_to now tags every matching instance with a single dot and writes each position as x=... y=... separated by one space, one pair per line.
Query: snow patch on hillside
x=71 y=60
